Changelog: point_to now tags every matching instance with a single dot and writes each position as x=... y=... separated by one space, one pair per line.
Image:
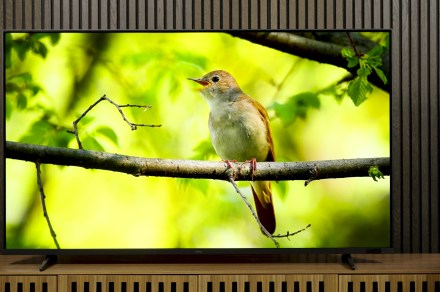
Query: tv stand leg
x=49 y=260
x=347 y=258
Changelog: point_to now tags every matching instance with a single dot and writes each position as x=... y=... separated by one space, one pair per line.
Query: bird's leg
x=253 y=163
x=228 y=163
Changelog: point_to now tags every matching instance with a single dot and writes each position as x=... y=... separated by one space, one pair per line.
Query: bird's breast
x=238 y=133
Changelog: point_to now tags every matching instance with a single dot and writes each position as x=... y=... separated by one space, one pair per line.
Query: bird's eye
x=215 y=79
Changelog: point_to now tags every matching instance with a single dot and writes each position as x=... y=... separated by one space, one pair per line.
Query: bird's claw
x=253 y=166
x=229 y=165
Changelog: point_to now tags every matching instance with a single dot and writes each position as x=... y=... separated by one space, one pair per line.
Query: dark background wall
x=415 y=70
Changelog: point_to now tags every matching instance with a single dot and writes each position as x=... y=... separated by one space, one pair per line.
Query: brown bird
x=240 y=131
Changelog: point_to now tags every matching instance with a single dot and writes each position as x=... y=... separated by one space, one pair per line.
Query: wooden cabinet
x=391 y=273
x=27 y=283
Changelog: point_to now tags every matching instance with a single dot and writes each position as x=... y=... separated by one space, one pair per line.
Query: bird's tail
x=264 y=204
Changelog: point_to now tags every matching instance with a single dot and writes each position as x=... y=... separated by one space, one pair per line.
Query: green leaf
x=376 y=51
x=283 y=112
x=386 y=41
x=40 y=49
x=9 y=108
x=34 y=88
x=200 y=184
x=347 y=53
x=8 y=50
x=281 y=187
x=21 y=47
x=375 y=173
x=86 y=120
x=109 y=133
x=38 y=133
x=61 y=138
x=204 y=150
x=191 y=59
x=174 y=86
x=381 y=75
x=21 y=101
x=363 y=71
x=90 y=143
x=358 y=89
x=23 y=77
x=296 y=107
x=352 y=62
x=54 y=37
x=350 y=56
x=11 y=87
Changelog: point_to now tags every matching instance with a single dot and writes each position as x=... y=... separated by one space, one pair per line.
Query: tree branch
x=137 y=166
x=318 y=47
x=43 y=204
x=132 y=125
x=245 y=200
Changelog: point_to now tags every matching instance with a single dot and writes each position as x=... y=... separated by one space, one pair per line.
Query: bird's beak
x=199 y=81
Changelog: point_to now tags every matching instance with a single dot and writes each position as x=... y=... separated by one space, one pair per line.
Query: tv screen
x=215 y=96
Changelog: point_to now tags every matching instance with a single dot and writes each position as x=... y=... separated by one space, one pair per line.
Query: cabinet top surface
x=366 y=264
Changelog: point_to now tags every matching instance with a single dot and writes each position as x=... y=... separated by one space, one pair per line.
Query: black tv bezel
x=271 y=254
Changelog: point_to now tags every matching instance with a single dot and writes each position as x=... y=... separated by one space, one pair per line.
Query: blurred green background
x=53 y=78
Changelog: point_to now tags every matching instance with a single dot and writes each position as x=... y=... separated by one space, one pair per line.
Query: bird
x=240 y=131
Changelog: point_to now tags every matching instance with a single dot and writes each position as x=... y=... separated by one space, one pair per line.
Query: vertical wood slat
x=415 y=124
x=329 y=282
x=396 y=132
x=424 y=127
x=367 y=15
x=46 y=14
x=358 y=16
x=234 y=17
x=178 y=283
x=415 y=42
x=329 y=14
x=206 y=14
x=340 y=14
x=150 y=14
x=29 y=283
x=131 y=14
x=434 y=113
x=377 y=13
x=405 y=281
x=263 y=19
x=216 y=14
x=405 y=85
x=320 y=12
x=178 y=14
x=310 y=13
x=349 y=15
x=275 y=14
x=301 y=21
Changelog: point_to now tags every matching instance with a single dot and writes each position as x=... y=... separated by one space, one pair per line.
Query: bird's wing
x=265 y=119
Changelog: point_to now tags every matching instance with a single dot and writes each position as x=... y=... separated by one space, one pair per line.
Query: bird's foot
x=228 y=163
x=253 y=163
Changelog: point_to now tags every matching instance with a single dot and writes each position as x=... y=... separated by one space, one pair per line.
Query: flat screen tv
x=324 y=95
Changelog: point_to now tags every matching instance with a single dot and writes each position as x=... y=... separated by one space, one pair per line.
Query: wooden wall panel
x=415 y=70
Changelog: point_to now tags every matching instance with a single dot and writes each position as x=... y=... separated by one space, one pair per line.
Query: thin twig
x=286 y=77
x=43 y=203
x=135 y=105
x=232 y=181
x=288 y=234
x=132 y=125
x=354 y=46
